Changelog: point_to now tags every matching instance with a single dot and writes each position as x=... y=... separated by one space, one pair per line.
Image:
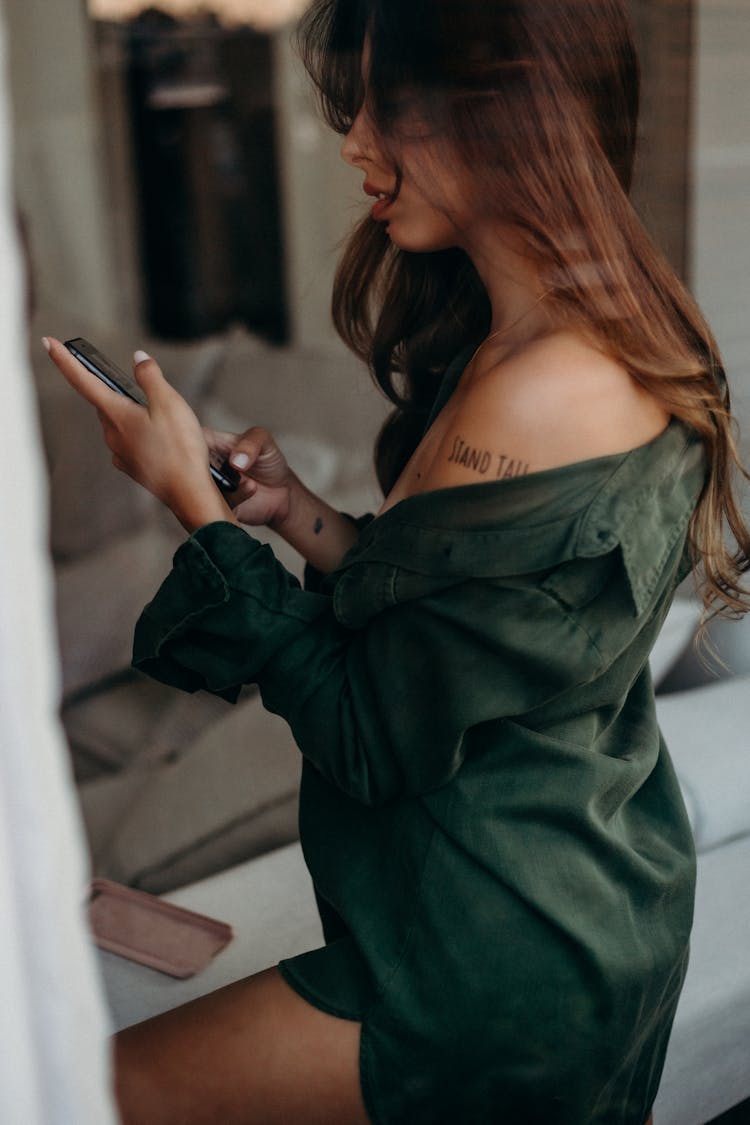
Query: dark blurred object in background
x=201 y=101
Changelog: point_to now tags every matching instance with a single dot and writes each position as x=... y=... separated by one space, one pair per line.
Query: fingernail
x=45 y=343
x=140 y=357
x=239 y=460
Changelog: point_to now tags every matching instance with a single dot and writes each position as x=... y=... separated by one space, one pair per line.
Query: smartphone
x=118 y=380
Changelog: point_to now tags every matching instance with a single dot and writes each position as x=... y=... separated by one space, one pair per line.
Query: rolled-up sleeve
x=381 y=711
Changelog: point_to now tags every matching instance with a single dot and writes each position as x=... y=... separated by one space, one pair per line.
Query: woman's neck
x=515 y=289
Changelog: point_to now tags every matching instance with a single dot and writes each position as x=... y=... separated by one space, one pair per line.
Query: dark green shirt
x=490 y=817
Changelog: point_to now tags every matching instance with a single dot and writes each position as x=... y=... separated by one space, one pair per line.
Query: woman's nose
x=358 y=142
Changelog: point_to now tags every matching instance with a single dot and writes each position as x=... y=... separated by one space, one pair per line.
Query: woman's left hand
x=161 y=446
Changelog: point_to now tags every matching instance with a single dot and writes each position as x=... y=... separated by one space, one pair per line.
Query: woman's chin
x=418 y=241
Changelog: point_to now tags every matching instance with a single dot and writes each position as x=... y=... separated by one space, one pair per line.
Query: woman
x=502 y=858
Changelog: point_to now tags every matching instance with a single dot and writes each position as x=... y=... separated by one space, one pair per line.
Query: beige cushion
x=134 y=722
x=232 y=793
x=99 y=598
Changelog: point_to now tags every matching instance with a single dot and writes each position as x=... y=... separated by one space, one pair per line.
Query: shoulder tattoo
x=485 y=462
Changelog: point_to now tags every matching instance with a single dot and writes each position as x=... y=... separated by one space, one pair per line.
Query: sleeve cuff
x=222 y=613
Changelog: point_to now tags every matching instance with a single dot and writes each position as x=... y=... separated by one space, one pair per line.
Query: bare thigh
x=253 y=1052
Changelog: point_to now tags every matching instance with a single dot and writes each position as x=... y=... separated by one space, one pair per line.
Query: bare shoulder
x=557 y=401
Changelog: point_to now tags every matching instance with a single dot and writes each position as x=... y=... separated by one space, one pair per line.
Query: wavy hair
x=539 y=101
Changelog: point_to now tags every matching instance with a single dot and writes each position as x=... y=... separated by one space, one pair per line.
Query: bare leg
x=253 y=1053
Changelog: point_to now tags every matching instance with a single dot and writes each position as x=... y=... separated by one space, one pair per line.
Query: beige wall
x=322 y=198
x=59 y=184
x=721 y=171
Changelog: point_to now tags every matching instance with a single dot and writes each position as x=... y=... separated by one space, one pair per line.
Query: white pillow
x=676 y=634
x=707 y=731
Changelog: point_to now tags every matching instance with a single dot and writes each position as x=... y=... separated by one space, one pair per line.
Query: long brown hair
x=540 y=101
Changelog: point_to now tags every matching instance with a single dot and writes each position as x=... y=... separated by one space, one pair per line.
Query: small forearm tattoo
x=318 y=526
x=483 y=461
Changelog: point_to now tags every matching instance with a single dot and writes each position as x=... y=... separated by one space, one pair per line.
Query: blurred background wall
x=720 y=166
x=61 y=179
x=88 y=92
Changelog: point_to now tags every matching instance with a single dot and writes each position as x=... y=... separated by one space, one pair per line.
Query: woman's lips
x=384 y=201
x=380 y=208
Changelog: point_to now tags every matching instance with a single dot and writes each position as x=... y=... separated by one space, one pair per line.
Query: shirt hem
x=365 y=1076
x=312 y=997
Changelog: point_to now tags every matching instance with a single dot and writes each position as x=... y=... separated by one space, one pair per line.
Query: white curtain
x=54 y=1055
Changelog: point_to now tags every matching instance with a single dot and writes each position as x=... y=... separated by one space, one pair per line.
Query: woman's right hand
x=263 y=496
x=271 y=493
